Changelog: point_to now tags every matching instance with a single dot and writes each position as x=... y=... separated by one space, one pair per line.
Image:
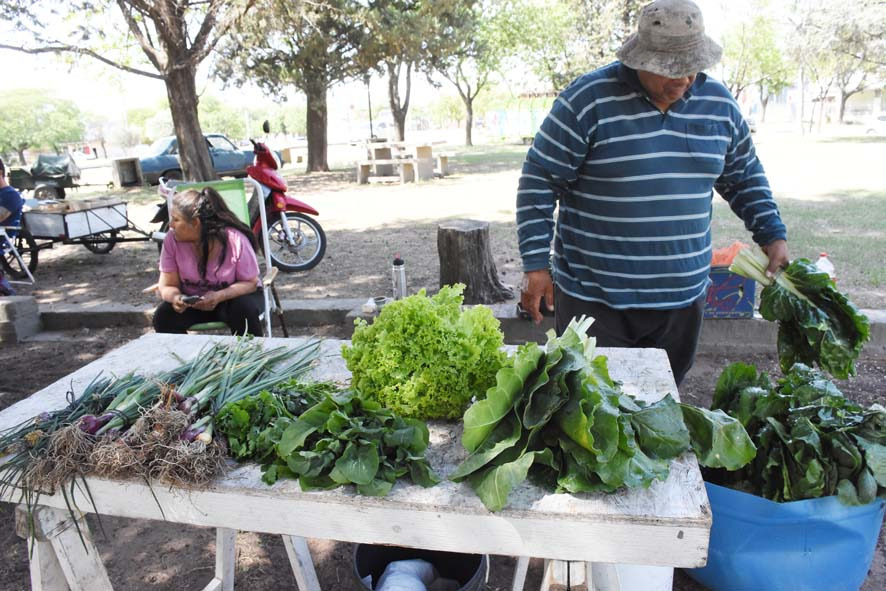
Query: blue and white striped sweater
x=633 y=188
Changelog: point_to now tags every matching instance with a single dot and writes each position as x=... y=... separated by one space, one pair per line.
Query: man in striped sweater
x=629 y=157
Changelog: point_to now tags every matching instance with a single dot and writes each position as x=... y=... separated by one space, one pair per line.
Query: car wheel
x=172 y=175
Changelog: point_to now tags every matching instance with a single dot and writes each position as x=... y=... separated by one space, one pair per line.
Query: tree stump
x=466 y=257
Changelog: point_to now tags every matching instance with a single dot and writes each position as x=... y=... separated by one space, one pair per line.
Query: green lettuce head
x=424 y=357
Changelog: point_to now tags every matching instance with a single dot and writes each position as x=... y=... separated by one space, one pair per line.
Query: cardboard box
x=729 y=295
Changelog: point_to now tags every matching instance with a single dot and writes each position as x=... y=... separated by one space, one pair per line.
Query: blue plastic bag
x=810 y=545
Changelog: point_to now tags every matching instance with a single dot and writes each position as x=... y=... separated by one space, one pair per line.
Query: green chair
x=236 y=194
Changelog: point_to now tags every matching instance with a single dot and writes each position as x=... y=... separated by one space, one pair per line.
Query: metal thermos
x=398 y=277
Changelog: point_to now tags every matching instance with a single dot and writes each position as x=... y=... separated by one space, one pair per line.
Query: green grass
x=491 y=158
x=849 y=226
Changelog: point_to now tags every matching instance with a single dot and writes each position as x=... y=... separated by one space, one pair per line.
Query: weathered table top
x=667 y=524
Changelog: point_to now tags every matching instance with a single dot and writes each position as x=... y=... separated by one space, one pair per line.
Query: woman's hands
x=209 y=301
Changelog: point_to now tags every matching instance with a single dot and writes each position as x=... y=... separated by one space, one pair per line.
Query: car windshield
x=220 y=143
x=159 y=146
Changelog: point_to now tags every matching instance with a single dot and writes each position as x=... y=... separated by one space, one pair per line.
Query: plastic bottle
x=398 y=277
x=825 y=265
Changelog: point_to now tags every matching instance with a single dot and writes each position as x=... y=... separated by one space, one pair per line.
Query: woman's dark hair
x=215 y=217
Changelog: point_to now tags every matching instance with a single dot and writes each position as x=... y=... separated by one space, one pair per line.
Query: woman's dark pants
x=240 y=314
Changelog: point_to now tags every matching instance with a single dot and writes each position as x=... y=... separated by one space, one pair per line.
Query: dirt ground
x=365 y=226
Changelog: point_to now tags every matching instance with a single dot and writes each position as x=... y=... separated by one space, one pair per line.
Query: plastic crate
x=729 y=295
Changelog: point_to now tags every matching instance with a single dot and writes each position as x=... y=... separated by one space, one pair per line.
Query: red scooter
x=297 y=241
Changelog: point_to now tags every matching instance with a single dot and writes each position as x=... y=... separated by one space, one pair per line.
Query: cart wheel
x=46 y=192
x=27 y=248
x=101 y=243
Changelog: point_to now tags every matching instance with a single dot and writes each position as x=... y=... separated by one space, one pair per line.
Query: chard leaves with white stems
x=558 y=418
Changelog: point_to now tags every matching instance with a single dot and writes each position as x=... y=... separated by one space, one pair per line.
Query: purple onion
x=190 y=434
x=90 y=424
x=188 y=405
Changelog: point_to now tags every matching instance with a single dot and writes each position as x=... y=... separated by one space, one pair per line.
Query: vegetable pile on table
x=156 y=427
x=811 y=441
x=424 y=357
x=333 y=438
x=817 y=324
x=557 y=416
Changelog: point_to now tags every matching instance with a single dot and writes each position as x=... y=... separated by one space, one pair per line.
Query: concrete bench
x=406 y=168
x=443 y=162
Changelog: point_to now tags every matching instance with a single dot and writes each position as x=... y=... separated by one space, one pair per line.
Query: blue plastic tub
x=812 y=545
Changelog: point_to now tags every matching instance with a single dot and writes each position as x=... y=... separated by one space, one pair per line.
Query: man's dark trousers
x=676 y=331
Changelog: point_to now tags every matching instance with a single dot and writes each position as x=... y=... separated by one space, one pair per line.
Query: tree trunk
x=317 y=126
x=399 y=108
x=193 y=151
x=21 y=156
x=469 y=121
x=466 y=257
x=843 y=98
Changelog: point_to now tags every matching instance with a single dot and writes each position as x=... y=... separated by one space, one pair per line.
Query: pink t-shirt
x=239 y=264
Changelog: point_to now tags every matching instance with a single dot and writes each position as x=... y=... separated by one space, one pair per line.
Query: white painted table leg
x=302 y=563
x=520 y=573
x=73 y=552
x=603 y=576
x=46 y=573
x=563 y=573
x=225 y=560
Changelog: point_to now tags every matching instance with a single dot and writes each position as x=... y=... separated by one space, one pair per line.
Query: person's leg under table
x=676 y=331
x=243 y=314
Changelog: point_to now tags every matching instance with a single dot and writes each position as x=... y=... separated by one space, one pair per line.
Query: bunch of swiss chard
x=811 y=441
x=339 y=438
x=817 y=324
x=557 y=416
x=423 y=357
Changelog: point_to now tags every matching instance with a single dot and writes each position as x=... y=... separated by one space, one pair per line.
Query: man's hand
x=535 y=285
x=209 y=301
x=778 y=256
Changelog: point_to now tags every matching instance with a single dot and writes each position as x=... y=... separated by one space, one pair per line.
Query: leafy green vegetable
x=558 y=417
x=423 y=357
x=817 y=324
x=252 y=427
x=344 y=439
x=811 y=441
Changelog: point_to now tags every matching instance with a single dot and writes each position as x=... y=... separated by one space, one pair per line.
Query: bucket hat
x=670 y=41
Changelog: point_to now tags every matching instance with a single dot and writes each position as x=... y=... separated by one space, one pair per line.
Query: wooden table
x=666 y=525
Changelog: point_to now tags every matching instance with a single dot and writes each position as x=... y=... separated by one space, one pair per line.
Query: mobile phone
x=191 y=299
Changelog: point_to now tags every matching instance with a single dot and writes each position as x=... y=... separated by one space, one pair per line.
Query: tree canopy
x=163 y=39
x=310 y=45
x=32 y=119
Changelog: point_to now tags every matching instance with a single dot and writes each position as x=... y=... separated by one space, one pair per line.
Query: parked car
x=162 y=159
x=876 y=125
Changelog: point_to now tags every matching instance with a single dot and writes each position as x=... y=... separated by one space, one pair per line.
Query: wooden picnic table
x=664 y=526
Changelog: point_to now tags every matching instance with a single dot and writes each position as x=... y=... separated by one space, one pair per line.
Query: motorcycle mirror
x=266 y=126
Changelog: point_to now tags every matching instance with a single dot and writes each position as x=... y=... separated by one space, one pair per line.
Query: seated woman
x=208 y=268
